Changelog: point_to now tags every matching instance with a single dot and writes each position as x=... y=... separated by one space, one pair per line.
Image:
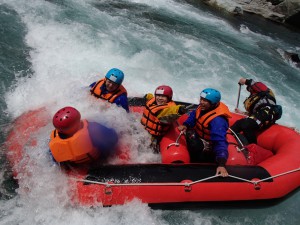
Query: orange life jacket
x=203 y=121
x=109 y=96
x=76 y=149
x=151 y=122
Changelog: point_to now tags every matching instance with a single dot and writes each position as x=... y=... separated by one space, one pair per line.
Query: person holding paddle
x=111 y=89
x=206 y=129
x=261 y=110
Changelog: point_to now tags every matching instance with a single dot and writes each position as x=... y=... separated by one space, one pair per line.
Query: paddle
x=239 y=93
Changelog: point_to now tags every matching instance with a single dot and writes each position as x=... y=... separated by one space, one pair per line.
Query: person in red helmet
x=78 y=141
x=159 y=113
x=261 y=110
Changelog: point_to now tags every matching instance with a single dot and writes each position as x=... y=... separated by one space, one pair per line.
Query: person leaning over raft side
x=111 y=89
x=210 y=121
x=79 y=141
x=261 y=110
x=159 y=113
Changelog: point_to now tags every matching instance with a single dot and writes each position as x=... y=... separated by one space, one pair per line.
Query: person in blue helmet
x=111 y=89
x=206 y=129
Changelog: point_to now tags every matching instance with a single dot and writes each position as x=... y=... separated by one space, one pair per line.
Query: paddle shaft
x=238 y=99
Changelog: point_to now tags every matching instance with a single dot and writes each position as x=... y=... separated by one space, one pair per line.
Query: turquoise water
x=52 y=50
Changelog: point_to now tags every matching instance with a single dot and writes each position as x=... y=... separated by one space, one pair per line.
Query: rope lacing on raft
x=186 y=183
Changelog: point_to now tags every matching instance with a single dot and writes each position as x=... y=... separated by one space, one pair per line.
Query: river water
x=52 y=50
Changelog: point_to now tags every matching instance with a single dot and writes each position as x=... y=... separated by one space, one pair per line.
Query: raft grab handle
x=176 y=143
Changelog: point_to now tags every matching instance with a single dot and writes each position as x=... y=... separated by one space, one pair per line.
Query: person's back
x=79 y=141
x=110 y=88
x=261 y=109
x=260 y=96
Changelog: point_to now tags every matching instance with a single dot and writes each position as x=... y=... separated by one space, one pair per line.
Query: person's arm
x=122 y=101
x=92 y=84
x=221 y=170
x=190 y=122
x=171 y=113
x=218 y=130
x=247 y=82
x=103 y=138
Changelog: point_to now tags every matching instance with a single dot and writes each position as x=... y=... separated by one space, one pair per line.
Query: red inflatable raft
x=176 y=180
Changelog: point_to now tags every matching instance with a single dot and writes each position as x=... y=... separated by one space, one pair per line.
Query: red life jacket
x=151 y=122
x=109 y=96
x=76 y=149
x=257 y=87
x=203 y=121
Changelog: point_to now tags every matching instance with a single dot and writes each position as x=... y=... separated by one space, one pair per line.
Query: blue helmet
x=211 y=95
x=115 y=75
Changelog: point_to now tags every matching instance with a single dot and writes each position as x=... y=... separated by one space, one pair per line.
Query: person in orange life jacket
x=261 y=110
x=111 y=89
x=207 y=141
x=79 y=141
x=159 y=113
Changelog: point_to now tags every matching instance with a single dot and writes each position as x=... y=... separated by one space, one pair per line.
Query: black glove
x=182 y=110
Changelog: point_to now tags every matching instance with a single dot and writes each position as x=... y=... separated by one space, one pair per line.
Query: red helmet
x=257 y=87
x=164 y=90
x=66 y=118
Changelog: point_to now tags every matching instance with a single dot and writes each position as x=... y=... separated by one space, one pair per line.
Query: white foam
x=70 y=53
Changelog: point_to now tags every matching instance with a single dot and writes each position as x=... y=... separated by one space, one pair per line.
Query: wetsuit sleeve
x=103 y=138
x=218 y=129
x=122 y=101
x=191 y=120
x=249 y=82
x=92 y=84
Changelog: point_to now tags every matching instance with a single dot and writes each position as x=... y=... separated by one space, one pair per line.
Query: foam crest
x=157 y=42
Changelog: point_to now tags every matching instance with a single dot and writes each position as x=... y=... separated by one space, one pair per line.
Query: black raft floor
x=171 y=173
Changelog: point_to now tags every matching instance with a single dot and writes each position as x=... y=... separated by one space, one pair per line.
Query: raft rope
x=254 y=182
x=238 y=139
